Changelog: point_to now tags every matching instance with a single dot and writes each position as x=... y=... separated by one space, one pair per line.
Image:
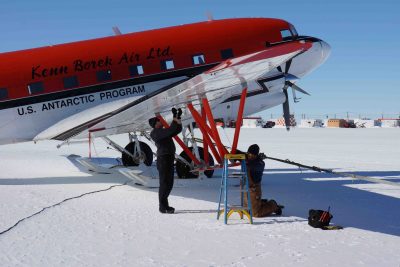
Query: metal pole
x=90 y=145
x=354 y=176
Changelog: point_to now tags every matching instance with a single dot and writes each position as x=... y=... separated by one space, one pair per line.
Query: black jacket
x=163 y=138
x=256 y=169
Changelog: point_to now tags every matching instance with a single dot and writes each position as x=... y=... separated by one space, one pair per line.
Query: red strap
x=197 y=117
x=180 y=142
x=239 y=120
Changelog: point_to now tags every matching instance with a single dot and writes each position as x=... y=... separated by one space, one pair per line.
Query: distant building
x=281 y=121
x=367 y=123
x=389 y=123
x=309 y=123
x=219 y=124
x=252 y=122
x=336 y=123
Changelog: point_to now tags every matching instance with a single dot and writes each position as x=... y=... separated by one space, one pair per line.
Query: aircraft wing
x=129 y=115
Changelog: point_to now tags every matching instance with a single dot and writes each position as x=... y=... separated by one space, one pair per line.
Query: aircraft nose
x=325 y=51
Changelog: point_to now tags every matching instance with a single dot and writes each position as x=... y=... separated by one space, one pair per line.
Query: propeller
x=286 y=109
x=289 y=78
x=297 y=88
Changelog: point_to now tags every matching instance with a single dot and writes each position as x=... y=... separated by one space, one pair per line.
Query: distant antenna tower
x=210 y=16
x=116 y=30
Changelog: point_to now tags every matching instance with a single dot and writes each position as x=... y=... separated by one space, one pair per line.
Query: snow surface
x=122 y=226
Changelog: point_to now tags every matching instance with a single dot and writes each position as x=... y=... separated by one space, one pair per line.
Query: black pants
x=165 y=167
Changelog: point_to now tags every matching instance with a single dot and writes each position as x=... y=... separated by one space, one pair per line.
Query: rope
x=94 y=148
x=59 y=203
x=90 y=145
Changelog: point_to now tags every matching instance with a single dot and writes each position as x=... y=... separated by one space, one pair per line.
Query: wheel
x=146 y=155
x=183 y=171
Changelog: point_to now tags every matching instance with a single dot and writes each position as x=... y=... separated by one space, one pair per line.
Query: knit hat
x=253 y=149
x=153 y=122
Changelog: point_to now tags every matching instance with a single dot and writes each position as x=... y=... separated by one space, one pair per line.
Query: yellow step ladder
x=226 y=208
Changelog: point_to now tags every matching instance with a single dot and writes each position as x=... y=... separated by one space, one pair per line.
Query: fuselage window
x=103 y=75
x=286 y=35
x=70 y=82
x=34 y=88
x=226 y=53
x=136 y=70
x=167 y=64
x=198 y=59
x=3 y=93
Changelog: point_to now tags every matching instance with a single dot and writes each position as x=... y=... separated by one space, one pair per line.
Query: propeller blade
x=291 y=77
x=287 y=66
x=286 y=110
x=295 y=87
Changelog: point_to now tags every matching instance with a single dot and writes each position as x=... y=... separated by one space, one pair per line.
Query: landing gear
x=144 y=154
x=184 y=171
x=134 y=153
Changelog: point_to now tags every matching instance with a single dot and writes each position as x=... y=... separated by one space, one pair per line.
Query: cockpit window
x=293 y=30
x=286 y=35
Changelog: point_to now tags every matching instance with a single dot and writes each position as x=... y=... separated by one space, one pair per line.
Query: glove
x=262 y=156
x=174 y=112
x=179 y=114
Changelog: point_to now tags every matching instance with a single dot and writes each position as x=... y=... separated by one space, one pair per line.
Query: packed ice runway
x=122 y=226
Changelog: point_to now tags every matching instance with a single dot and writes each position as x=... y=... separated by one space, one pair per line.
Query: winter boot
x=170 y=210
x=277 y=208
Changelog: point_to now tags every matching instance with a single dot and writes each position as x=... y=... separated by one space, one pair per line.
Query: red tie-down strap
x=205 y=144
x=213 y=128
x=204 y=129
x=239 y=120
x=180 y=142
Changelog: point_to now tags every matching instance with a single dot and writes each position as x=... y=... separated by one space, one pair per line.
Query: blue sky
x=360 y=77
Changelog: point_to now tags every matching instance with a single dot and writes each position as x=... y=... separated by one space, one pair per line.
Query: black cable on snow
x=59 y=203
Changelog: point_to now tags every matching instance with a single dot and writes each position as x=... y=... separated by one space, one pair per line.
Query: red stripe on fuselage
x=83 y=59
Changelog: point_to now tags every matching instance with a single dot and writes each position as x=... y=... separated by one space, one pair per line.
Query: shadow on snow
x=350 y=207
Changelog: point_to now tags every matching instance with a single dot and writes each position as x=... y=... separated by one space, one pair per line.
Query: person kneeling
x=255 y=169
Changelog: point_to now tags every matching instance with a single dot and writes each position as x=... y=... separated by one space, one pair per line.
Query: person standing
x=255 y=168
x=165 y=156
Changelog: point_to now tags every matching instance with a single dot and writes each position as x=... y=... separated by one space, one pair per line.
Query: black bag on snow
x=319 y=218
